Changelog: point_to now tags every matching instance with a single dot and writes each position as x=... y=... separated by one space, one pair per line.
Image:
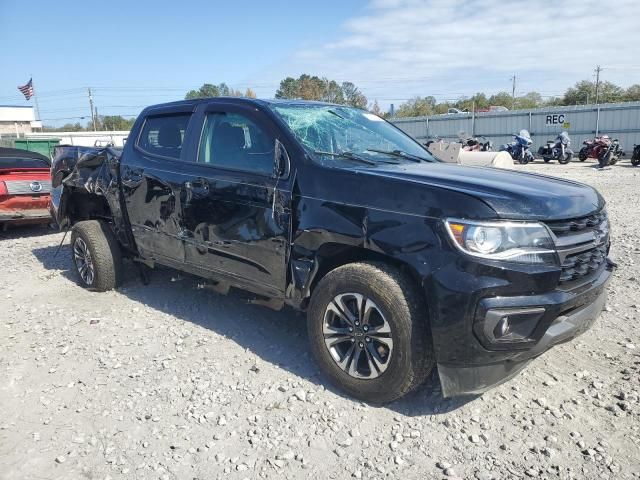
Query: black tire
x=105 y=256
x=613 y=159
x=582 y=154
x=546 y=159
x=566 y=159
x=399 y=302
x=635 y=161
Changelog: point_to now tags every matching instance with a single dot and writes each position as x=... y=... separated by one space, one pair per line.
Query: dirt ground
x=172 y=381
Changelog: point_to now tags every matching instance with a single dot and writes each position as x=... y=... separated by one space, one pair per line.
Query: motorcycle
x=603 y=149
x=474 y=144
x=557 y=149
x=635 y=158
x=520 y=148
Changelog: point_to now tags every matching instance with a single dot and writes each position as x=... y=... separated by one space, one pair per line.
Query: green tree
x=528 y=101
x=116 y=122
x=632 y=94
x=585 y=92
x=308 y=87
x=503 y=99
x=417 y=107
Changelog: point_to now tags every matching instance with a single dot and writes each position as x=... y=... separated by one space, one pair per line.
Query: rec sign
x=556 y=119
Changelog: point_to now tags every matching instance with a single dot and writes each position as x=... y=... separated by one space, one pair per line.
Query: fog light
x=502 y=328
x=511 y=325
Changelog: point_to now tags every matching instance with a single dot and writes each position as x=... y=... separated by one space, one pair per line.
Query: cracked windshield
x=350 y=134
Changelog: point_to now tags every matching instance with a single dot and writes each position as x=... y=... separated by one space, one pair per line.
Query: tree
x=375 y=108
x=528 y=101
x=249 y=93
x=503 y=99
x=307 y=87
x=417 y=107
x=206 y=90
x=353 y=96
x=116 y=122
x=585 y=92
x=632 y=94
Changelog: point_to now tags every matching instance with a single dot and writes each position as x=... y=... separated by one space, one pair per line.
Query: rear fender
x=94 y=180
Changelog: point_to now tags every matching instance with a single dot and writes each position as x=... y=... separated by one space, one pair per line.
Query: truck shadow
x=26 y=231
x=279 y=338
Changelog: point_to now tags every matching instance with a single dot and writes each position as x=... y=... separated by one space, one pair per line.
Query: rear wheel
x=368 y=331
x=635 y=161
x=96 y=255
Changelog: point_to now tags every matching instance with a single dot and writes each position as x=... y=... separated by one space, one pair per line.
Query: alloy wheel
x=83 y=261
x=357 y=335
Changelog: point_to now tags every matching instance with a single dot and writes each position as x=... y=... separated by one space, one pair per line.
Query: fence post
x=530 y=124
x=428 y=136
x=597 y=121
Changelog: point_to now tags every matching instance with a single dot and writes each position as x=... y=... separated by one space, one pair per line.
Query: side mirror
x=282 y=162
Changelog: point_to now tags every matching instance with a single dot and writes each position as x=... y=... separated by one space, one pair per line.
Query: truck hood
x=511 y=194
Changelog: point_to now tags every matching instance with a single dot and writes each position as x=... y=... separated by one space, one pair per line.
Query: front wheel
x=566 y=158
x=369 y=333
x=635 y=161
x=96 y=255
x=582 y=154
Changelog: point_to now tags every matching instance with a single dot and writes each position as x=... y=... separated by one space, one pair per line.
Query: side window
x=163 y=134
x=231 y=140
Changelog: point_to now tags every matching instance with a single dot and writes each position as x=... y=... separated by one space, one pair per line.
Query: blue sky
x=136 y=53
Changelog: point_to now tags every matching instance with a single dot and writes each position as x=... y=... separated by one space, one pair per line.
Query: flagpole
x=35 y=99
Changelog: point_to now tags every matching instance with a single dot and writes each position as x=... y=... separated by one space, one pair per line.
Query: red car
x=25 y=186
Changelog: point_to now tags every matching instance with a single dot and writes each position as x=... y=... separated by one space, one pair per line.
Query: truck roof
x=241 y=101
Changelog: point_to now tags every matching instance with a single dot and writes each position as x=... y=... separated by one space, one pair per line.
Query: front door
x=236 y=210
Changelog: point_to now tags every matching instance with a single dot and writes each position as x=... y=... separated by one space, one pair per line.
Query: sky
x=137 y=52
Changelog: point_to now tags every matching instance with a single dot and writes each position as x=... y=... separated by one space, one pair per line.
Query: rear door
x=236 y=210
x=152 y=181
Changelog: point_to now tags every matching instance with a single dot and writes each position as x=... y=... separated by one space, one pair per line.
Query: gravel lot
x=173 y=381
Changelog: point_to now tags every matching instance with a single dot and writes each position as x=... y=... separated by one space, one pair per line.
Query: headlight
x=508 y=241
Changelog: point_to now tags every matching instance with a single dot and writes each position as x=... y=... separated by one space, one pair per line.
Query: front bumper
x=472 y=365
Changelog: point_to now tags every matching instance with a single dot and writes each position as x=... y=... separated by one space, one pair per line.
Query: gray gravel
x=172 y=381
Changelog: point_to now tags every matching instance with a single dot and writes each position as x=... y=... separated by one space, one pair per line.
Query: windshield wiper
x=349 y=155
x=399 y=153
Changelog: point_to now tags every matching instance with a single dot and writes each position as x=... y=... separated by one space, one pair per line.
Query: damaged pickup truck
x=401 y=262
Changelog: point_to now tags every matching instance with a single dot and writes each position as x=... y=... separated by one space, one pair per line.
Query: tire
x=546 y=159
x=397 y=304
x=635 y=161
x=566 y=159
x=613 y=159
x=103 y=265
x=582 y=154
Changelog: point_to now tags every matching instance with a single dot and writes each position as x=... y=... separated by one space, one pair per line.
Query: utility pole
x=93 y=117
x=513 y=92
x=598 y=70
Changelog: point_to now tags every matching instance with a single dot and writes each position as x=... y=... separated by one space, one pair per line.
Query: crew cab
x=25 y=182
x=400 y=261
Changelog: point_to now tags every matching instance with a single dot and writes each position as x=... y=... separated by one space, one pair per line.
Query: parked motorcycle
x=603 y=149
x=520 y=148
x=474 y=144
x=557 y=149
x=635 y=158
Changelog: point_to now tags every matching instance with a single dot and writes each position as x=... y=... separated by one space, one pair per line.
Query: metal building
x=618 y=120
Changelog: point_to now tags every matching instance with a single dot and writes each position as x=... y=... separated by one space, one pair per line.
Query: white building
x=17 y=120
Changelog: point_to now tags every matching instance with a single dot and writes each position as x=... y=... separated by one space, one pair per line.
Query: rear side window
x=9 y=162
x=164 y=134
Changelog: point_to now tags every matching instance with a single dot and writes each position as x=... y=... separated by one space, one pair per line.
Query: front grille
x=564 y=227
x=582 y=264
x=582 y=244
x=28 y=187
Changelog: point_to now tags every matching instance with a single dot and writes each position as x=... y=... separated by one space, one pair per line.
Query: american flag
x=27 y=90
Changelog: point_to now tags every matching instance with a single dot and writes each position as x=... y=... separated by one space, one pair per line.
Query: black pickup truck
x=401 y=262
